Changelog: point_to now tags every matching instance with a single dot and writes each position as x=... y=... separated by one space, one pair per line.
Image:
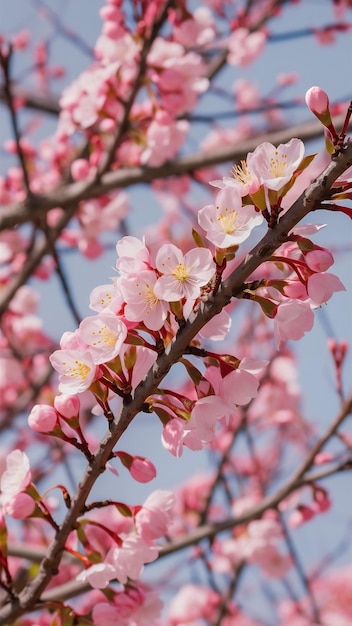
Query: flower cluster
x=140 y=315
x=134 y=549
x=15 y=480
x=141 y=298
x=154 y=294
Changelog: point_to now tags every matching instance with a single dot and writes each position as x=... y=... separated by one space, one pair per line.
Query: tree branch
x=308 y=201
x=64 y=195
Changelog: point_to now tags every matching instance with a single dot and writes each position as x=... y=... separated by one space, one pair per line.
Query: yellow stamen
x=242 y=173
x=227 y=219
x=150 y=297
x=79 y=370
x=106 y=336
x=278 y=164
x=180 y=272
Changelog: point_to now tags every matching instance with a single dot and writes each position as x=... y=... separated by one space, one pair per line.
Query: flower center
x=78 y=370
x=242 y=173
x=227 y=219
x=180 y=272
x=106 y=300
x=150 y=297
x=105 y=336
x=278 y=164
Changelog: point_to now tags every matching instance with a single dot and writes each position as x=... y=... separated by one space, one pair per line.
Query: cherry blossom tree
x=163 y=157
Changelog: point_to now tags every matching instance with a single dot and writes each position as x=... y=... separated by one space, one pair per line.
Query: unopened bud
x=67 y=406
x=318 y=102
x=42 y=418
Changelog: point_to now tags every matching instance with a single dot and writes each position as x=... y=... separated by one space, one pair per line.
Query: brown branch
x=5 y=62
x=43 y=103
x=74 y=588
x=64 y=195
x=63 y=278
x=39 y=250
x=308 y=201
x=299 y=479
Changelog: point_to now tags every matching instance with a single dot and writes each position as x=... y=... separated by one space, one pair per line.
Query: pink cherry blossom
x=275 y=166
x=244 y=47
x=292 y=320
x=128 y=560
x=142 y=469
x=191 y=603
x=319 y=259
x=199 y=30
x=106 y=297
x=164 y=138
x=271 y=561
x=238 y=388
x=217 y=328
x=180 y=77
x=107 y=614
x=137 y=606
x=133 y=256
x=104 y=335
x=76 y=369
x=17 y=475
x=154 y=518
x=182 y=275
x=204 y=416
x=246 y=94
x=321 y=286
x=173 y=435
x=228 y=223
x=98 y=575
x=18 y=506
x=99 y=216
x=25 y=300
x=142 y=305
x=14 y=480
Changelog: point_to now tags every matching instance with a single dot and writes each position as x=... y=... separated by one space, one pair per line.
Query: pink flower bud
x=80 y=169
x=20 y=41
x=67 y=406
x=323 y=457
x=322 y=501
x=142 y=469
x=301 y=515
x=19 y=506
x=317 y=101
x=42 y=418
